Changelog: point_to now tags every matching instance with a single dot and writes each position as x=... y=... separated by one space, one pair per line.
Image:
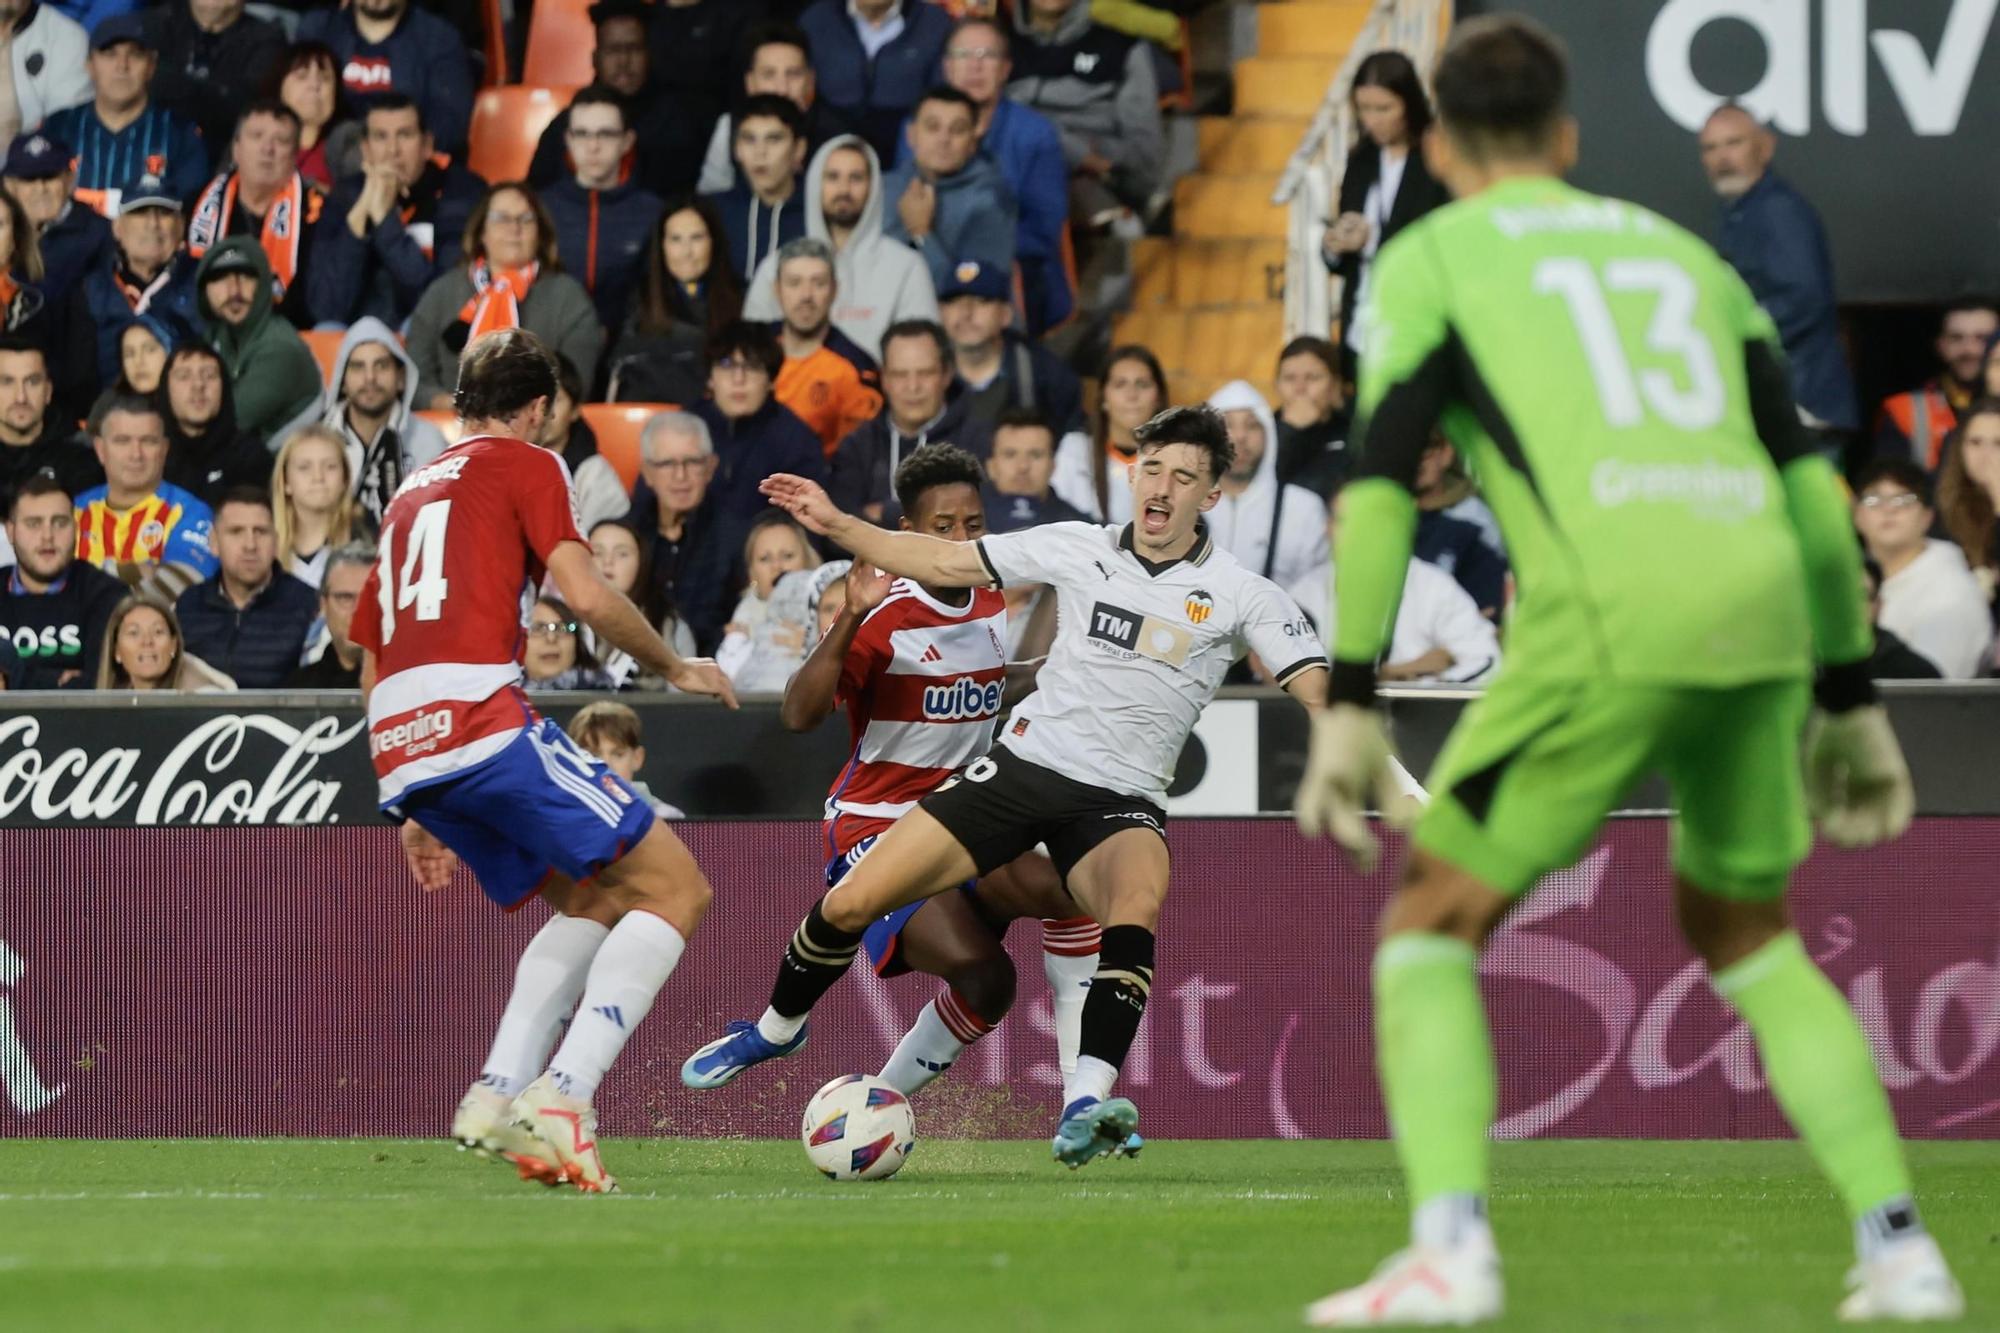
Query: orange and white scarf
x=285 y=223
x=496 y=298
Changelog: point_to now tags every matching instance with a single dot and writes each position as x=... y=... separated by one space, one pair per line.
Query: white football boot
x=1906 y=1282
x=1419 y=1286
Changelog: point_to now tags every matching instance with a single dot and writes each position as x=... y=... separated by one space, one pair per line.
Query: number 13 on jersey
x=1692 y=399
x=421 y=582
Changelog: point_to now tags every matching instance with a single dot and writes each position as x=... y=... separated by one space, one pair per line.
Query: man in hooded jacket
x=270 y=366
x=1273 y=528
x=370 y=402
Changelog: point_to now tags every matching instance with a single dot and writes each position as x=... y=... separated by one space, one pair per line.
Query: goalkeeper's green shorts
x=1536 y=765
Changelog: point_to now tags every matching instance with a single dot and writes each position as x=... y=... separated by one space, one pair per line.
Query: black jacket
x=220 y=457
x=1034 y=377
x=208 y=77
x=257 y=646
x=864 y=466
x=666 y=160
x=385 y=273
x=60 y=630
x=669 y=367
x=1316 y=456
x=61 y=450
x=695 y=577
x=771 y=439
x=1419 y=193
x=325 y=673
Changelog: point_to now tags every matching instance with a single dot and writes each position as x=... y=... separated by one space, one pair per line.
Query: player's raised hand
x=803 y=499
x=1351 y=765
x=1857 y=784
x=430 y=860
x=867 y=586
x=700 y=675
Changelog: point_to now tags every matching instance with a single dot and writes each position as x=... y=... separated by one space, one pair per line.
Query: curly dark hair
x=932 y=466
x=1201 y=426
x=502 y=373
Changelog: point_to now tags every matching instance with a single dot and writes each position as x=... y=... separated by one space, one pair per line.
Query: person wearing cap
x=264 y=197
x=53 y=610
x=271 y=368
x=828 y=382
x=71 y=236
x=381 y=46
x=666 y=156
x=122 y=132
x=46 y=55
x=949 y=203
x=144 y=270
x=213 y=58
x=997 y=367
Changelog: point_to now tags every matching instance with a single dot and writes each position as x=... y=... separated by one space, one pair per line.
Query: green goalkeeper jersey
x=1617 y=395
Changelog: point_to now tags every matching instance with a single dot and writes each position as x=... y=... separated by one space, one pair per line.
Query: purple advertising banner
x=293 y=981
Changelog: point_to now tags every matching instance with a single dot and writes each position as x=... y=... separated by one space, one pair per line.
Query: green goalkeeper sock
x=1436 y=1061
x=1820 y=1070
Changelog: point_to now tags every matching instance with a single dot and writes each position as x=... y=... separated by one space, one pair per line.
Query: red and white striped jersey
x=922 y=685
x=463 y=538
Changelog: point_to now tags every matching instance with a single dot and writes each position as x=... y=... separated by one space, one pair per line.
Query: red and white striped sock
x=1069 y=960
x=945 y=1028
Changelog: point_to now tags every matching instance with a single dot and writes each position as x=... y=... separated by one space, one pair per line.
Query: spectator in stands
x=1892 y=659
x=1386 y=186
x=1312 y=419
x=122 y=131
x=777 y=60
x=1456 y=531
x=621 y=559
x=249 y=618
x=338 y=665
x=370 y=409
x=1018 y=471
x=556 y=657
x=313 y=509
x=997 y=368
x=1929 y=595
x=952 y=205
x=874 y=59
x=143 y=272
x=388 y=233
x=307 y=81
x=754 y=435
x=689 y=292
x=610 y=731
x=766 y=207
x=71 y=235
x=1097 y=85
x=917 y=409
x=54 y=610
x=34 y=436
x=691 y=545
x=602 y=226
x=392 y=45
x=137 y=521
x=263 y=195
x=1024 y=145
x=1969 y=491
x=1993 y=367
x=1914 y=424
x=1090 y=473
x=143 y=650
x=1272 y=528
x=1773 y=237
x=509 y=277
x=697 y=49
x=879 y=281
x=666 y=155
x=212 y=58
x=49 y=63
x=270 y=367
x=766 y=637
x=144 y=344
x=599 y=491
x=59 y=321
x=207 y=454
x=828 y=382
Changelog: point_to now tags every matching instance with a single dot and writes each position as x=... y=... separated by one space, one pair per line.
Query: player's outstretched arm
x=912 y=555
x=611 y=614
x=810 y=694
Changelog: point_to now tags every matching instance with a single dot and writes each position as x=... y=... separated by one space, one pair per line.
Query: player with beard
x=828 y=382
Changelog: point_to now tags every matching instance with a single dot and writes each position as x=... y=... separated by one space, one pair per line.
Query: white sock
x=926 y=1050
x=1886 y=1225
x=1093 y=1078
x=1450 y=1221
x=777 y=1029
x=632 y=964
x=1069 y=986
x=547 y=983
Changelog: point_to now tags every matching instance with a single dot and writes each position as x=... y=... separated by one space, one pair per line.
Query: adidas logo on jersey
x=931 y=654
x=964 y=699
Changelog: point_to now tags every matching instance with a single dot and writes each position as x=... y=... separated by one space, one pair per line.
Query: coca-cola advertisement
x=294 y=981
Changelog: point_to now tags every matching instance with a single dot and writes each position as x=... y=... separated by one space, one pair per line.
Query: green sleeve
x=1378 y=523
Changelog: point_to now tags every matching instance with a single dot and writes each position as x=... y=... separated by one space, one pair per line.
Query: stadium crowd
x=244 y=250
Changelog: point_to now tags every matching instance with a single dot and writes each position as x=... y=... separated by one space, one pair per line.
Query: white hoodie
x=880 y=281
x=418 y=439
x=1935 y=605
x=1243 y=525
x=1434 y=613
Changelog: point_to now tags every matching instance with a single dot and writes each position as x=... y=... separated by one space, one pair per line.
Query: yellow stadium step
x=1214 y=207
x=1193 y=274
x=1210 y=345
x=1249 y=143
x=1275 y=86
x=1315 y=28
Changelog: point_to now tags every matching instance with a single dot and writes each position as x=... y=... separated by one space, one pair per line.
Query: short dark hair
x=598 y=94
x=994 y=23
x=944 y=92
x=932 y=466
x=1200 y=425
x=568 y=378
x=268 y=106
x=773 y=34
x=774 y=106
x=394 y=101
x=1023 y=417
x=609 y=11
x=17 y=343
x=244 y=495
x=1903 y=472
x=43 y=482
x=1307 y=344
x=133 y=404
x=743 y=338
x=920 y=328
x=1502 y=85
x=502 y=373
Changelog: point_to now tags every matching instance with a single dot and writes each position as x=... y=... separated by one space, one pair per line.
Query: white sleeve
x=1054 y=553
x=600 y=496
x=1072 y=480
x=718 y=168
x=760 y=299
x=1446 y=617
x=1276 y=630
x=1303 y=550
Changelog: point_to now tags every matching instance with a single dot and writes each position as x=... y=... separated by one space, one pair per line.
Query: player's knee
x=1437 y=899
x=844 y=910
x=986 y=986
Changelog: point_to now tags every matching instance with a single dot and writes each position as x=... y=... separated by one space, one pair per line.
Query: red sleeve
x=867 y=656
x=545 y=502
x=366 y=628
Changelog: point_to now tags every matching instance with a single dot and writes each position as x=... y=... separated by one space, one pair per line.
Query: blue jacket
x=108 y=161
x=385 y=273
x=876 y=93
x=111 y=310
x=424 y=58
x=771 y=439
x=974 y=219
x=697 y=577
x=90 y=13
x=601 y=237
x=754 y=230
x=258 y=645
x=1773 y=237
x=74 y=244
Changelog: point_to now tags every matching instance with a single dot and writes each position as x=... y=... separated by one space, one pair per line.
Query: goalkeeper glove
x=1350 y=763
x=1857 y=785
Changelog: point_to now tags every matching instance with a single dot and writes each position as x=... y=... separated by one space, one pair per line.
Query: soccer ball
x=858 y=1128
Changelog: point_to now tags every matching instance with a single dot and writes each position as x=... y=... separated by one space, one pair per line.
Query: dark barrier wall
x=294 y=982
x=1878 y=108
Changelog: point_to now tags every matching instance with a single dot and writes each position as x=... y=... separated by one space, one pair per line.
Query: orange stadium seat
x=325 y=345
x=617 y=427
x=560 y=40
x=507 y=123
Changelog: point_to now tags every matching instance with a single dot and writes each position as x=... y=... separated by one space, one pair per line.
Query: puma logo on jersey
x=964 y=699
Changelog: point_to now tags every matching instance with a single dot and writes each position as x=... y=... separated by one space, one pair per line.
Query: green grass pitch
x=394 y=1234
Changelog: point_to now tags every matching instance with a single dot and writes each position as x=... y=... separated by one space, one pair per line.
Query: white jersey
x=1139 y=650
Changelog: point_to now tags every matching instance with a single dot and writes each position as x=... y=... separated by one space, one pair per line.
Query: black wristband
x=1352 y=683
x=1845 y=687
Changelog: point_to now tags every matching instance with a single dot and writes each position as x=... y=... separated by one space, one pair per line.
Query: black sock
x=817 y=957
x=1117 y=999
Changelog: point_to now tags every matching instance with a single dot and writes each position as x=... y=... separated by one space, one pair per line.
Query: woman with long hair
x=59 y=322
x=690 y=291
x=313 y=509
x=1089 y=471
x=1386 y=186
x=308 y=81
x=625 y=564
x=509 y=278
x=1968 y=493
x=144 y=650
